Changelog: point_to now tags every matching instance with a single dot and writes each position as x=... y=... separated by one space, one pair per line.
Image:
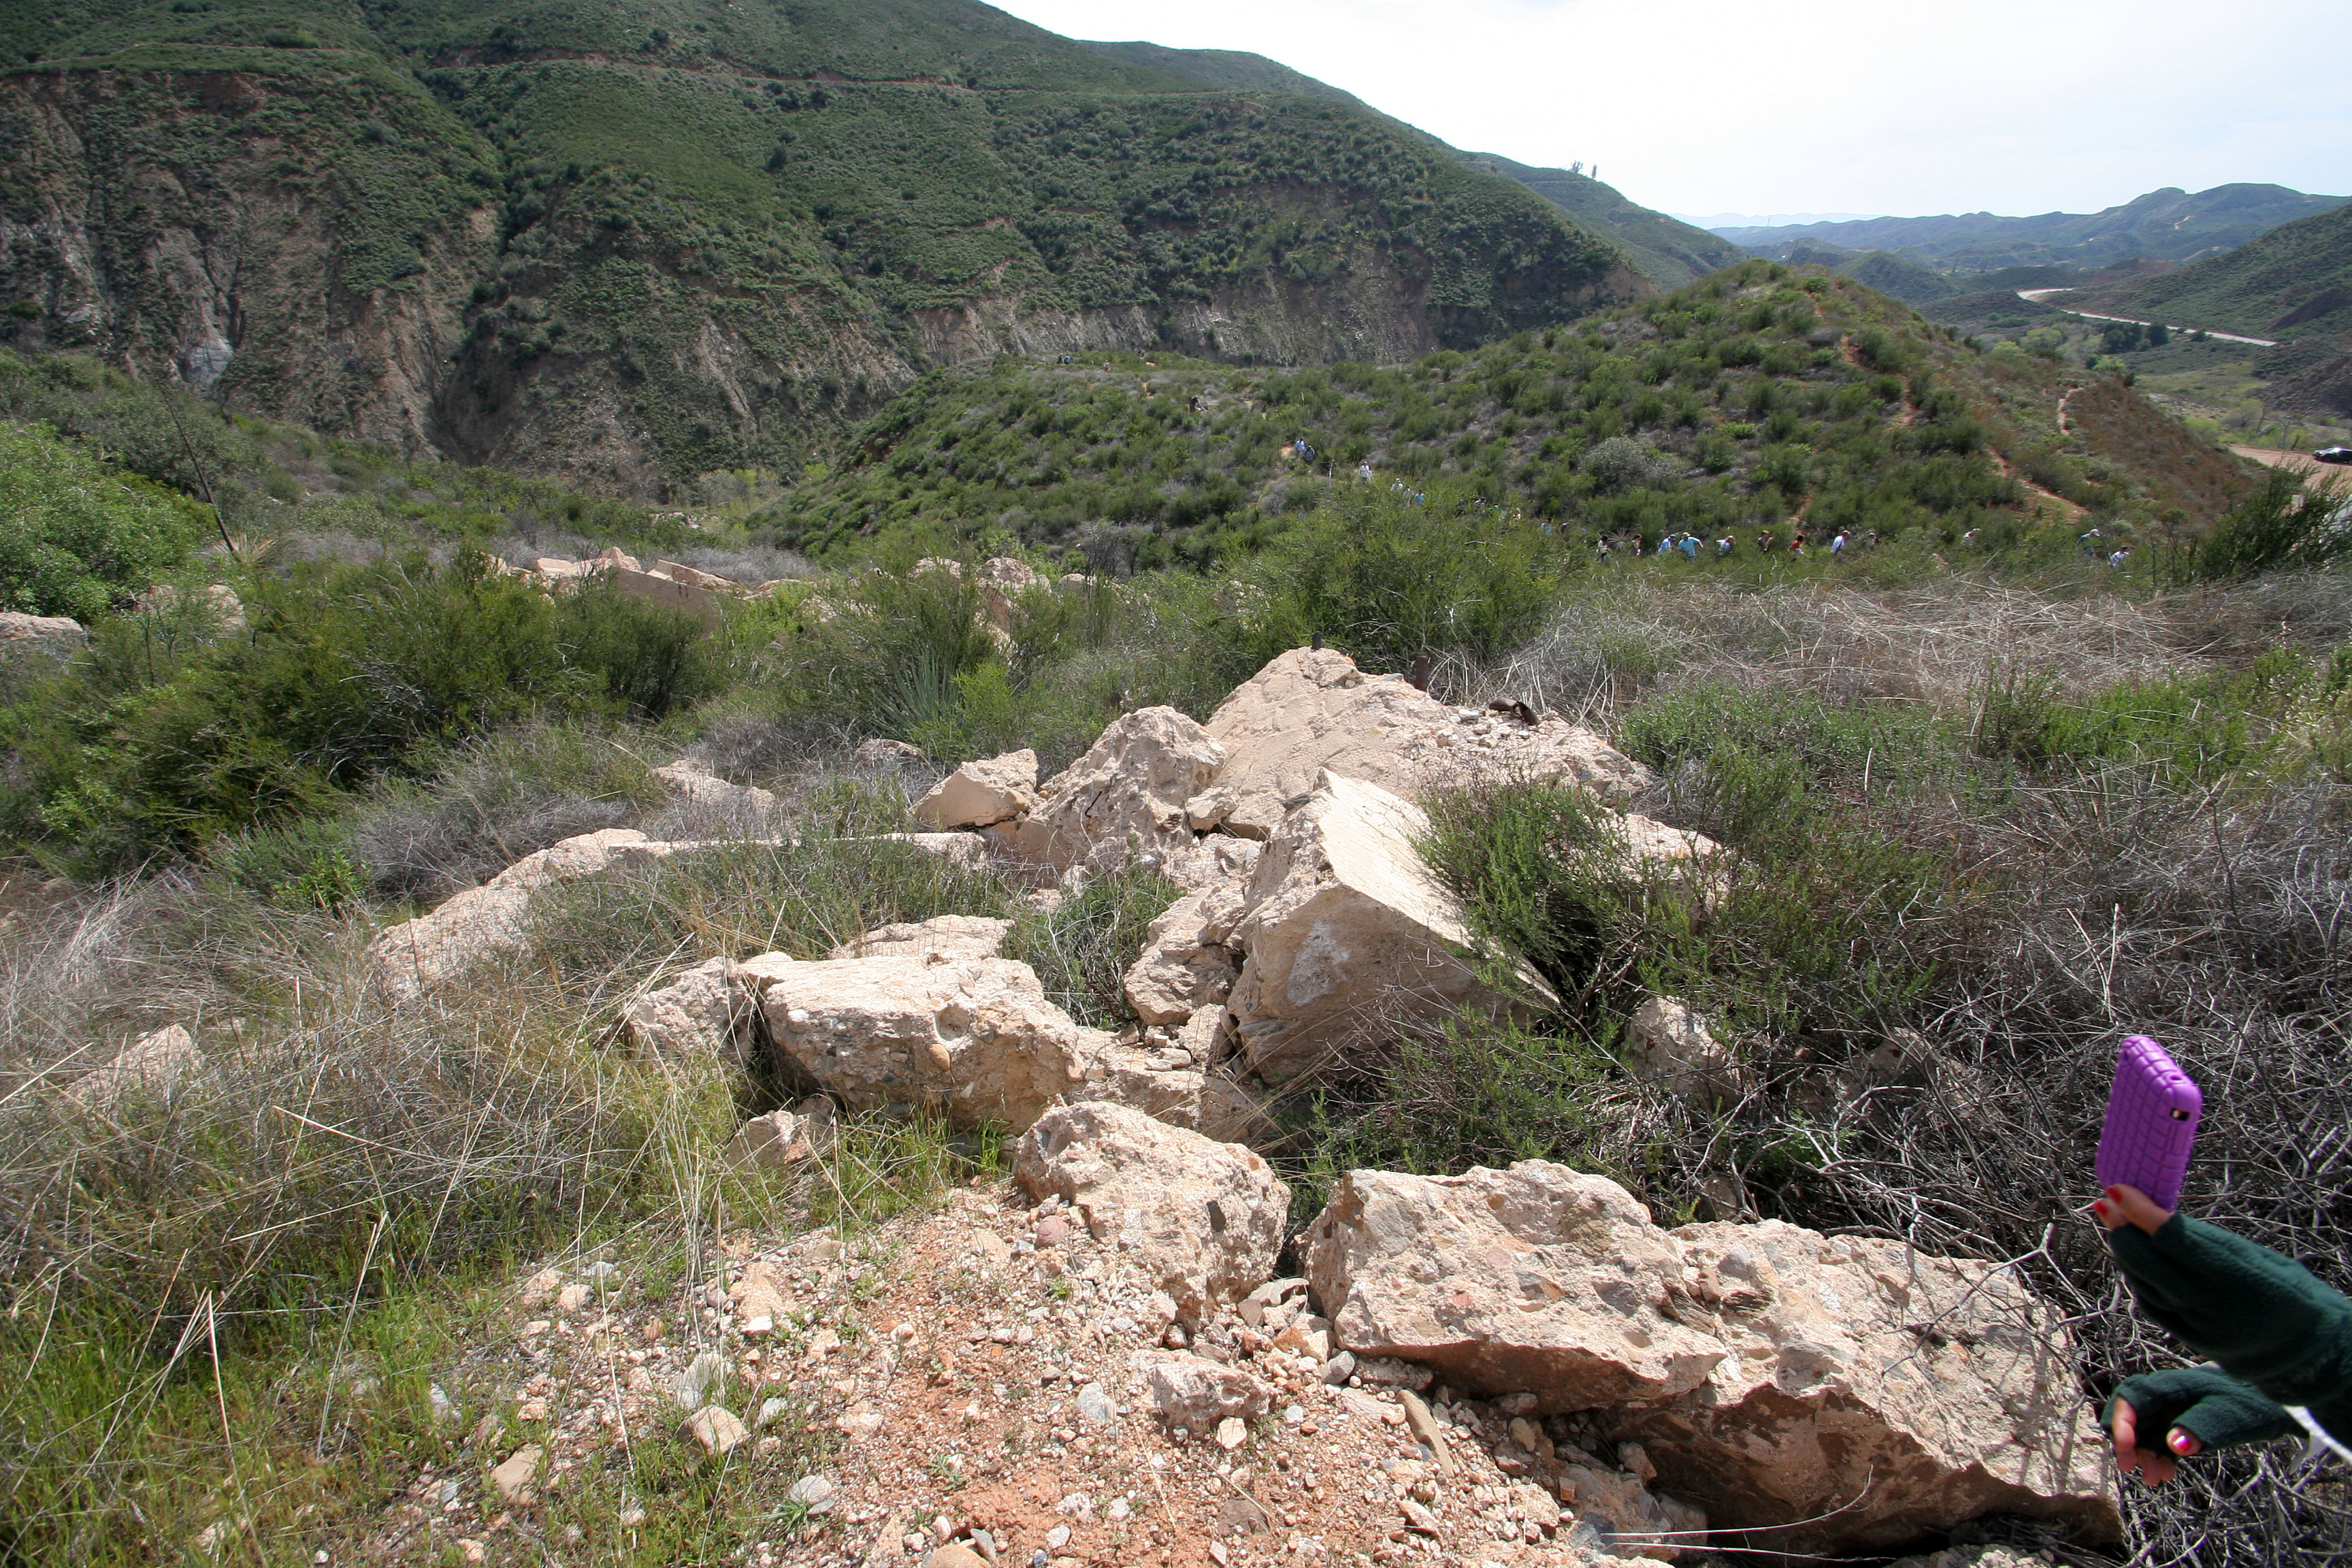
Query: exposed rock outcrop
x=1125 y=797
x=1200 y=1220
x=974 y=1038
x=1538 y=1279
x=1826 y=1395
x=1345 y=924
x=1312 y=709
x=983 y=793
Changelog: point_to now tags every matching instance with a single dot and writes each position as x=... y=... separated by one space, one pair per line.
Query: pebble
x=1231 y=1433
x=1096 y=1405
x=1057 y=1537
x=717 y=1428
x=514 y=1477
x=812 y=1492
x=700 y=1383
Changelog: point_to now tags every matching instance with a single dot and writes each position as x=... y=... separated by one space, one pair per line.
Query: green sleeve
x=2267 y=1320
x=2218 y=1410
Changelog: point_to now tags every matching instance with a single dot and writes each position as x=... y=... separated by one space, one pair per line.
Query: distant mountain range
x=1723 y=223
x=2168 y=224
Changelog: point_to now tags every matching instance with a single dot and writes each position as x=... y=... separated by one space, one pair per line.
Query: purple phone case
x=2151 y=1123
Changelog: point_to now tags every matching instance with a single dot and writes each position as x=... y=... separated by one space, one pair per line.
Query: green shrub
x=340 y=676
x=651 y=659
x=76 y=535
x=2286 y=522
x=1387 y=579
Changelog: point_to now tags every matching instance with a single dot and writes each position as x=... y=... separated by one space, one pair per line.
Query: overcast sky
x=1693 y=106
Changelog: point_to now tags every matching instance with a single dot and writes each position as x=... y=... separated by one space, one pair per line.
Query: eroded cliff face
x=300 y=246
x=501 y=263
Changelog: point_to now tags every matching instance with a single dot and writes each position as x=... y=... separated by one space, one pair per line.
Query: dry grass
x=1933 y=644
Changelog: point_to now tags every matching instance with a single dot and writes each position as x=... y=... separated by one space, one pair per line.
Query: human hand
x=2153 y=1466
x=2129 y=1205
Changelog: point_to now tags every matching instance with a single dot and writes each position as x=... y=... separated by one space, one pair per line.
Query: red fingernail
x=2100 y=1210
x=2180 y=1442
x=2115 y=1192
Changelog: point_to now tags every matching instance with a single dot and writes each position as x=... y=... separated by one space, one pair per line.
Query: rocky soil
x=1132 y=1353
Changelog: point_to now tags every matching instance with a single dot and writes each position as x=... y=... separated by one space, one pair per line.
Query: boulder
x=699 y=1013
x=974 y=1038
x=1193 y=1394
x=56 y=632
x=1538 y=1279
x=697 y=785
x=472 y=925
x=1344 y=925
x=1125 y=797
x=1002 y=581
x=1881 y=1393
x=1667 y=1043
x=613 y=558
x=1827 y=1395
x=1200 y=1220
x=1184 y=1092
x=1312 y=709
x=942 y=936
x=983 y=793
x=671 y=594
x=156 y=1066
x=693 y=577
x=1183 y=968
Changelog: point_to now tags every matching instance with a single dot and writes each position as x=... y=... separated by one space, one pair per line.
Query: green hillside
x=1755 y=398
x=1903 y=279
x=2293 y=282
x=1669 y=252
x=1223 y=70
x=628 y=246
x=2168 y=224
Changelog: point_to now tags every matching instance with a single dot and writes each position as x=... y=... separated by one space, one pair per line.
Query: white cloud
x=2012 y=106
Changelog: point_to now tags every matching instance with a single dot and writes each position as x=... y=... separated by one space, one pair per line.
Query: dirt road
x=2041 y=296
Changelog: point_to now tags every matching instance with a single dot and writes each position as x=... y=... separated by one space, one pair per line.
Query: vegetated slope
x=2294 y=281
x=1883 y=270
x=1225 y=70
x=2292 y=284
x=1903 y=279
x=633 y=245
x=1757 y=397
x=1668 y=251
x=2168 y=224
